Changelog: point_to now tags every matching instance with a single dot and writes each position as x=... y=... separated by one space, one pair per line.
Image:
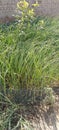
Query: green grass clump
x=10 y=116
x=29 y=54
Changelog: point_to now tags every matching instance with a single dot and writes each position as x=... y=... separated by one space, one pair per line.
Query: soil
x=44 y=117
x=41 y=117
x=47 y=118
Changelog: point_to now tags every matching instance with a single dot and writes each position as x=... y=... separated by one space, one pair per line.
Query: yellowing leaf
x=31 y=12
x=22 y=4
x=35 y=4
x=42 y=22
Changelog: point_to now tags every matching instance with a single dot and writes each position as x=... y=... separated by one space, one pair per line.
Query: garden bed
x=29 y=68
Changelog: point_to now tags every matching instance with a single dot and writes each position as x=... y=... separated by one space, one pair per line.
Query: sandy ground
x=47 y=118
x=41 y=117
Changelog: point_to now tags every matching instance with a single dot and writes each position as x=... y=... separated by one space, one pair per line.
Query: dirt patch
x=40 y=117
x=47 y=118
x=43 y=117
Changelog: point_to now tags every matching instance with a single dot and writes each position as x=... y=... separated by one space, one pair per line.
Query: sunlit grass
x=29 y=56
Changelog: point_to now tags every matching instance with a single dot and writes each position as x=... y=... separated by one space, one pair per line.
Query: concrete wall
x=47 y=7
x=7 y=7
